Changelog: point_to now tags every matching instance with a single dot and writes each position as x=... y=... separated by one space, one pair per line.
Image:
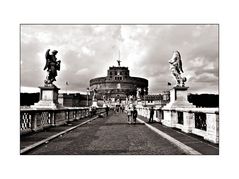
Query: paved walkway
x=195 y=142
x=113 y=135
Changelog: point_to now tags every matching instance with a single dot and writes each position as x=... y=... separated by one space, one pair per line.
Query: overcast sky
x=86 y=52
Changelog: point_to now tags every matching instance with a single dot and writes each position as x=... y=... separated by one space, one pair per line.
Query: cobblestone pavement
x=109 y=136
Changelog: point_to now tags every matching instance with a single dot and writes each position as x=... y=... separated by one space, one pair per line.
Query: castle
x=118 y=84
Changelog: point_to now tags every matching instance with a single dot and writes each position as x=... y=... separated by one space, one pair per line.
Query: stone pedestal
x=48 y=98
x=139 y=103
x=178 y=99
x=94 y=103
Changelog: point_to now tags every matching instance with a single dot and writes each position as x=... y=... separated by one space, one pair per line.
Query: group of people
x=132 y=114
x=119 y=108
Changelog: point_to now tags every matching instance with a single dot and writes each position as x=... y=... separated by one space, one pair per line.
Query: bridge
x=76 y=131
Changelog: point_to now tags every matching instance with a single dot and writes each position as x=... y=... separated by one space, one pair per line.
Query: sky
x=87 y=51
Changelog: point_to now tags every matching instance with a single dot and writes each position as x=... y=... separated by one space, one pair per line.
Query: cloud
x=86 y=51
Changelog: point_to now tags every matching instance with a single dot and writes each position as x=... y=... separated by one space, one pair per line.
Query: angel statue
x=138 y=93
x=176 y=68
x=94 y=93
x=52 y=65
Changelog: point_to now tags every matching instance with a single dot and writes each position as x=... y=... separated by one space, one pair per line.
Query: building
x=160 y=99
x=74 y=100
x=118 y=84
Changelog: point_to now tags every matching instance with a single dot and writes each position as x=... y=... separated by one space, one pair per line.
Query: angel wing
x=180 y=65
x=47 y=59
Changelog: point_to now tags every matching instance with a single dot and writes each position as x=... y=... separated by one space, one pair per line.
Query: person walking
x=151 y=115
x=129 y=114
x=122 y=109
x=135 y=114
x=107 y=110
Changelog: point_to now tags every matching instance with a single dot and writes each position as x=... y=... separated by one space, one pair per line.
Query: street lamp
x=87 y=91
x=144 y=97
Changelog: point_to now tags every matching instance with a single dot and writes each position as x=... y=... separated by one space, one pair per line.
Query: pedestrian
x=135 y=114
x=107 y=110
x=151 y=115
x=129 y=114
x=122 y=109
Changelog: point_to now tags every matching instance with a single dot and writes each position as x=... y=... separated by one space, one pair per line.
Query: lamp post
x=87 y=91
x=144 y=97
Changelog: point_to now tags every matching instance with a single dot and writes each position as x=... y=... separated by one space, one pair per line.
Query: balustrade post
x=67 y=115
x=145 y=112
x=170 y=118
x=188 y=122
x=87 y=112
x=77 y=114
x=212 y=132
x=159 y=114
x=34 y=122
x=53 y=122
x=155 y=115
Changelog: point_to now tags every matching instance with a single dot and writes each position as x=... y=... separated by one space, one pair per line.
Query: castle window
x=118 y=78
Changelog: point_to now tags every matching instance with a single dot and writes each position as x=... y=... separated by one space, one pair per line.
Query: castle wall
x=118 y=82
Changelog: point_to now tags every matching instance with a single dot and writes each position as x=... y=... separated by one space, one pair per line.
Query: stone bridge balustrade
x=145 y=112
x=38 y=119
x=203 y=122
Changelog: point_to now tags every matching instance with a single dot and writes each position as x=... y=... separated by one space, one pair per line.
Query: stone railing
x=37 y=119
x=144 y=111
x=203 y=122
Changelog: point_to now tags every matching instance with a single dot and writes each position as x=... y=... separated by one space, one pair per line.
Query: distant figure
x=135 y=114
x=129 y=114
x=151 y=115
x=176 y=68
x=118 y=62
x=122 y=109
x=138 y=93
x=107 y=110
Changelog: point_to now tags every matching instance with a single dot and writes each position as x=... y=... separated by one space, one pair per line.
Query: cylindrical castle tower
x=119 y=84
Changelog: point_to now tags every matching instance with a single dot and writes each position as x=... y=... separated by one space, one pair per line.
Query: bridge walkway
x=112 y=135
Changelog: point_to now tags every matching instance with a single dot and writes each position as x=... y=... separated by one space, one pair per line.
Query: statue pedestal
x=94 y=103
x=178 y=99
x=48 y=98
x=139 y=102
